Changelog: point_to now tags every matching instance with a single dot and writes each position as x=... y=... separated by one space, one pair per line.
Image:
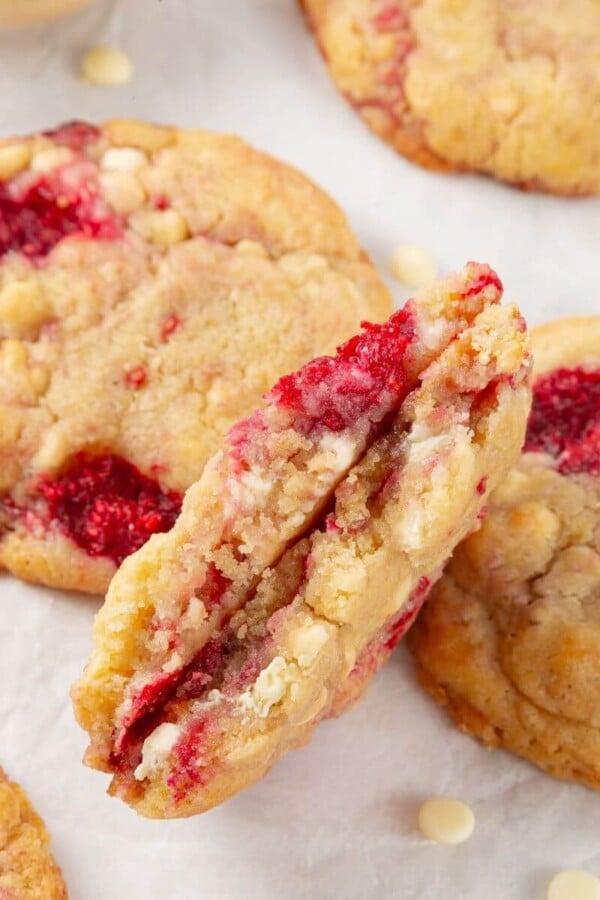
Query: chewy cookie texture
x=27 y=869
x=304 y=551
x=509 y=642
x=506 y=87
x=154 y=283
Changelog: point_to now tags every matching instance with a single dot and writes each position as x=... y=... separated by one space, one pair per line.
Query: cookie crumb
x=574 y=884
x=413 y=265
x=446 y=821
x=106 y=66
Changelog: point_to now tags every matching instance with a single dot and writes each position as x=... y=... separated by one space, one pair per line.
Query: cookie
x=509 y=641
x=154 y=283
x=304 y=550
x=504 y=87
x=28 y=12
x=27 y=869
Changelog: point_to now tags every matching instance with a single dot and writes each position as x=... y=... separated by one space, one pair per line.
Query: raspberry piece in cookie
x=154 y=284
x=27 y=869
x=506 y=87
x=510 y=639
x=304 y=551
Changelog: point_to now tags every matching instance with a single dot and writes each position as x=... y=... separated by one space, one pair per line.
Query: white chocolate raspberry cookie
x=28 y=12
x=510 y=639
x=304 y=550
x=506 y=87
x=27 y=869
x=153 y=284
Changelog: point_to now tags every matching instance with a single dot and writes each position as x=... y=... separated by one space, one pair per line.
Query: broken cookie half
x=305 y=550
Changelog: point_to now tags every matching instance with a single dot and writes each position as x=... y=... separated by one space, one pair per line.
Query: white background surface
x=336 y=820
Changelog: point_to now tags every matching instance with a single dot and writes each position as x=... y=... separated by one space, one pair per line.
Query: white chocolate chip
x=13 y=159
x=342 y=447
x=174 y=663
x=13 y=356
x=269 y=688
x=446 y=821
x=413 y=265
x=574 y=884
x=23 y=307
x=313 y=709
x=51 y=158
x=195 y=614
x=251 y=248
x=107 y=66
x=156 y=749
x=123 y=191
x=53 y=451
x=305 y=643
x=161 y=226
x=123 y=159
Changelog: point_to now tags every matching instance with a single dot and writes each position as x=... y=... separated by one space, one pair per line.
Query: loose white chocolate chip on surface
x=446 y=821
x=413 y=265
x=573 y=884
x=107 y=66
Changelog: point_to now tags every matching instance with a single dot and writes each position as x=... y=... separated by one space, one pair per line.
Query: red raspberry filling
x=390 y=17
x=335 y=391
x=76 y=135
x=484 y=280
x=48 y=211
x=565 y=419
x=106 y=506
x=190 y=773
x=398 y=628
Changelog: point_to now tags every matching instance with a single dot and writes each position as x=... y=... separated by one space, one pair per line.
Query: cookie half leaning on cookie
x=506 y=87
x=27 y=869
x=304 y=550
x=154 y=283
x=509 y=641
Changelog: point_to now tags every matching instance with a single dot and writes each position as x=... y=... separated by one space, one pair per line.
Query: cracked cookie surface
x=154 y=283
x=305 y=550
x=510 y=88
x=27 y=869
x=509 y=642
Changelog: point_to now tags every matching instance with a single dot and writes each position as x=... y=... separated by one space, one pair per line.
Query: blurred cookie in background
x=510 y=88
x=29 y=12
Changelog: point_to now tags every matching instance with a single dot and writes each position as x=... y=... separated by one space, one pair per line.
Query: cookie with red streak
x=304 y=551
x=27 y=868
x=154 y=283
x=506 y=87
x=510 y=640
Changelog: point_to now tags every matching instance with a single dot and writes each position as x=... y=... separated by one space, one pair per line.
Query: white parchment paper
x=337 y=819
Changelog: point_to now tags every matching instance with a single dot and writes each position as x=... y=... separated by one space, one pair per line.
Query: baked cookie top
x=27 y=869
x=510 y=638
x=506 y=87
x=153 y=284
x=305 y=550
